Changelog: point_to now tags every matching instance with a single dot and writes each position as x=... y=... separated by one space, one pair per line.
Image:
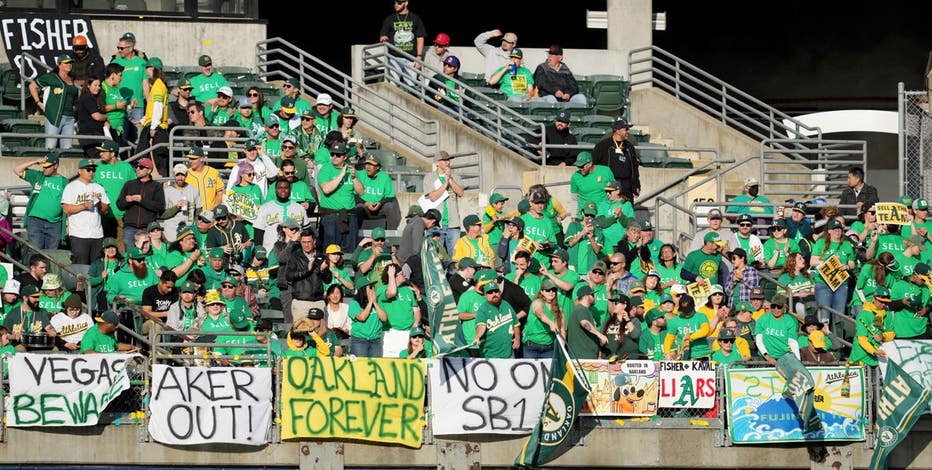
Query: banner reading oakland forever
x=378 y=400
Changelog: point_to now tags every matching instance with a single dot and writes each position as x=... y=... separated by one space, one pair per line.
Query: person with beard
x=28 y=318
x=461 y=280
x=158 y=299
x=686 y=334
x=650 y=344
x=128 y=283
x=583 y=338
x=621 y=328
x=229 y=234
x=301 y=193
x=275 y=211
x=87 y=61
x=498 y=332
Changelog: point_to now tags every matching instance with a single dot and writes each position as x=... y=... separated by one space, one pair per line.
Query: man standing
x=178 y=109
x=495 y=57
x=228 y=234
x=441 y=50
x=306 y=272
x=131 y=86
x=115 y=104
x=83 y=201
x=44 y=209
x=378 y=195
x=857 y=193
x=207 y=83
x=205 y=179
x=539 y=228
x=910 y=305
x=412 y=239
x=112 y=173
x=523 y=275
x=180 y=197
x=498 y=332
x=142 y=200
x=337 y=187
x=582 y=337
x=274 y=212
x=704 y=262
x=588 y=183
x=87 y=61
x=619 y=154
x=406 y=31
x=443 y=192
x=555 y=81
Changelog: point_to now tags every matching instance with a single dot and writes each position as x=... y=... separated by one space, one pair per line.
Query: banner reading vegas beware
x=379 y=400
x=758 y=413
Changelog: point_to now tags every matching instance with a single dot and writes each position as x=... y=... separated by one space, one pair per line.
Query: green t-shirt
x=95 y=340
x=112 y=177
x=369 y=329
x=890 y=242
x=540 y=230
x=651 y=345
x=720 y=357
x=52 y=304
x=842 y=249
x=907 y=265
x=206 y=87
x=216 y=325
x=565 y=298
x=536 y=331
x=45 y=198
x=591 y=187
x=678 y=326
x=117 y=117
x=400 y=309
x=866 y=317
x=758 y=209
x=134 y=72
x=906 y=322
x=219 y=117
x=59 y=97
x=668 y=274
x=469 y=302
x=495 y=235
x=600 y=307
x=377 y=189
x=581 y=343
x=703 y=265
x=530 y=283
x=252 y=191
x=776 y=333
x=796 y=284
x=583 y=254
x=500 y=325
x=344 y=197
x=517 y=84
x=771 y=246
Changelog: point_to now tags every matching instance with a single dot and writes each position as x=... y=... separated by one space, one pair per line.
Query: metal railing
x=277 y=58
x=34 y=61
x=733 y=107
x=491 y=118
x=825 y=166
x=81 y=277
x=914 y=141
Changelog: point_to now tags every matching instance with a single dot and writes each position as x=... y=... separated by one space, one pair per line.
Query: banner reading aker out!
x=379 y=400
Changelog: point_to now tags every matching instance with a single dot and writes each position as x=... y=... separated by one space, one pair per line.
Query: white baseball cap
x=324 y=98
x=226 y=91
x=179 y=168
x=11 y=287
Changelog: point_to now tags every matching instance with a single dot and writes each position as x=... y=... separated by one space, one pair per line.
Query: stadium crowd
x=276 y=228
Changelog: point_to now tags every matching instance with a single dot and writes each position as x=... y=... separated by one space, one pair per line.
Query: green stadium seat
x=172 y=74
x=22 y=126
x=589 y=135
x=239 y=74
x=11 y=86
x=491 y=93
x=542 y=108
x=30 y=152
x=188 y=71
x=10 y=112
x=472 y=79
x=609 y=93
x=387 y=157
x=657 y=156
x=597 y=121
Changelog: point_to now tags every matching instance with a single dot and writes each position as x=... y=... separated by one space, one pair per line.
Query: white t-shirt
x=339 y=319
x=70 y=329
x=85 y=224
x=173 y=195
x=269 y=217
x=264 y=168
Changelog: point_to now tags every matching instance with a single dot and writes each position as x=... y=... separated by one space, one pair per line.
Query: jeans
x=43 y=234
x=449 y=236
x=578 y=98
x=400 y=69
x=129 y=236
x=366 y=347
x=836 y=300
x=537 y=351
x=64 y=128
x=333 y=234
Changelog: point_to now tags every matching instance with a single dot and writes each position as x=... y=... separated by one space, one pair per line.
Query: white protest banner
x=487 y=396
x=687 y=384
x=913 y=356
x=198 y=405
x=64 y=390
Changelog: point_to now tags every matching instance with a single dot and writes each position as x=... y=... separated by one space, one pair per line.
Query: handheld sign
x=891 y=213
x=699 y=290
x=831 y=272
x=242 y=205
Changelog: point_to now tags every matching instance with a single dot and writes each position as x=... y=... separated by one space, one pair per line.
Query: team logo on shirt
x=708 y=269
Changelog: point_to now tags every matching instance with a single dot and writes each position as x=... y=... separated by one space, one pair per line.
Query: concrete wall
x=182 y=42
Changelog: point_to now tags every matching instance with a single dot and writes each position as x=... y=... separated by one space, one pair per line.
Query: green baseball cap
x=712 y=237
x=135 y=253
x=583 y=291
x=362 y=281
x=471 y=219
x=87 y=163
x=108 y=146
x=378 y=233
x=491 y=286
x=50 y=159
x=204 y=60
x=484 y=276
x=272 y=120
x=466 y=262
x=196 y=152
x=154 y=62
x=920 y=205
x=417 y=331
x=583 y=158
x=110 y=242
x=590 y=208
x=260 y=252
x=560 y=253
x=563 y=116
x=496 y=197
x=238 y=319
x=188 y=286
x=217 y=252
x=652 y=315
x=516 y=53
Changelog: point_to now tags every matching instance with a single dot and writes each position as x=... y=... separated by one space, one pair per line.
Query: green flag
x=566 y=395
x=441 y=308
x=901 y=402
x=800 y=387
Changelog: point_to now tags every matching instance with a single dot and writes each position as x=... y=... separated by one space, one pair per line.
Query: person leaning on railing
x=873 y=327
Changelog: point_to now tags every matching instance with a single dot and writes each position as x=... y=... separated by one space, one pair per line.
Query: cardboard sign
x=758 y=413
x=42 y=36
x=891 y=213
x=622 y=389
x=64 y=390
x=200 y=405
x=377 y=400
x=486 y=396
x=831 y=272
x=687 y=384
x=699 y=290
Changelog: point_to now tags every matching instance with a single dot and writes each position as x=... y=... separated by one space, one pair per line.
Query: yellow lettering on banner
x=831 y=272
x=379 y=400
x=891 y=213
x=699 y=290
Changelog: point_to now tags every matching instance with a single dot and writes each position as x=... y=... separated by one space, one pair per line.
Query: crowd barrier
x=197 y=398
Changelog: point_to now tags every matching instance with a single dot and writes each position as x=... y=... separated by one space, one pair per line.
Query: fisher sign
x=487 y=396
x=621 y=389
x=687 y=384
x=43 y=36
x=200 y=405
x=758 y=413
x=377 y=400
x=64 y=390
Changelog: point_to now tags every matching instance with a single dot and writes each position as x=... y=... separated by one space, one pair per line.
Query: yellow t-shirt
x=157 y=93
x=208 y=184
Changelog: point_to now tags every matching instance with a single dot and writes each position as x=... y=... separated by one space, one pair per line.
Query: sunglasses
x=91 y=169
x=552 y=290
x=745 y=225
x=598 y=272
x=493 y=292
x=778 y=306
x=227 y=286
x=726 y=341
x=287 y=85
x=207 y=65
x=251 y=94
x=289 y=172
x=288 y=147
x=249 y=174
x=193 y=111
x=123 y=48
x=614 y=263
x=273 y=126
x=306 y=118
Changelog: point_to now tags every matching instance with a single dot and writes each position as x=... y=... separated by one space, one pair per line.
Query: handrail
x=79 y=276
x=22 y=77
x=689 y=83
x=399 y=124
x=682 y=178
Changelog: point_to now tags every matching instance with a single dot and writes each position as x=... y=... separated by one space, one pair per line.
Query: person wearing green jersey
x=378 y=194
x=920 y=223
x=494 y=219
x=498 y=332
x=222 y=109
x=752 y=203
x=419 y=347
x=910 y=305
x=874 y=326
x=544 y=322
x=726 y=353
x=292 y=89
x=368 y=317
x=585 y=239
x=514 y=79
x=831 y=244
x=208 y=82
x=131 y=85
x=112 y=173
x=44 y=209
x=539 y=228
x=101 y=338
x=687 y=333
x=583 y=338
x=650 y=344
x=327 y=120
x=247 y=117
x=400 y=304
x=53 y=295
x=588 y=183
x=467 y=307
x=115 y=104
x=704 y=263
x=775 y=332
x=778 y=246
x=59 y=95
x=524 y=275
x=338 y=185
x=127 y=284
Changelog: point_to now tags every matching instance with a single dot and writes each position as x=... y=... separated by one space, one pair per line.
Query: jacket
x=306 y=284
x=625 y=166
x=139 y=214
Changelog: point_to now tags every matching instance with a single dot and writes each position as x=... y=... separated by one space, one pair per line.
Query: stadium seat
x=656 y=156
x=609 y=93
x=589 y=135
x=271 y=315
x=239 y=74
x=472 y=79
x=172 y=74
x=10 y=112
x=387 y=157
x=188 y=71
x=68 y=280
x=11 y=86
x=639 y=137
x=542 y=108
x=491 y=93
x=130 y=5
x=597 y=121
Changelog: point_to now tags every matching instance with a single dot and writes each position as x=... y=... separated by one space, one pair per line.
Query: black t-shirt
x=158 y=301
x=403 y=31
x=87 y=106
